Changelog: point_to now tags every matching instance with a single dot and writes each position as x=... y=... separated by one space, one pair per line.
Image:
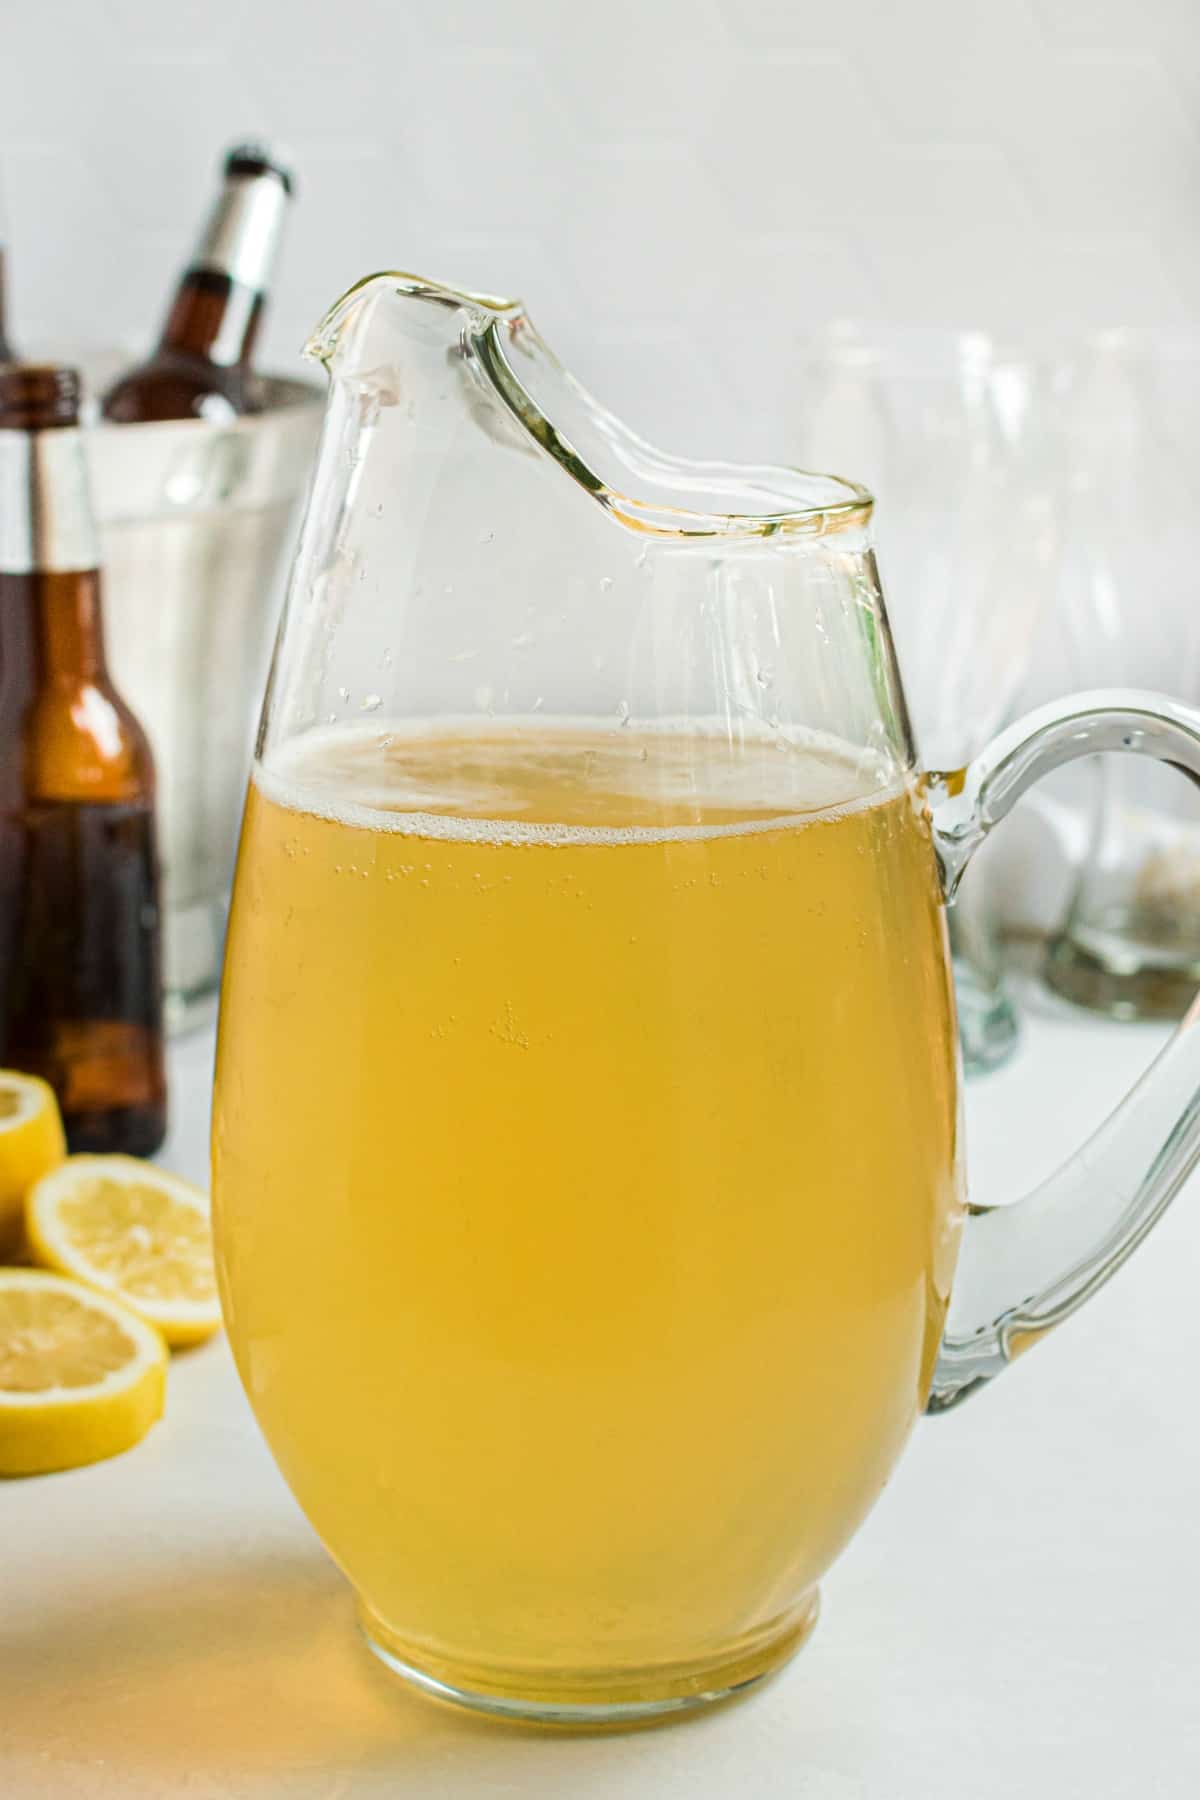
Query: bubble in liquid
x=370 y=703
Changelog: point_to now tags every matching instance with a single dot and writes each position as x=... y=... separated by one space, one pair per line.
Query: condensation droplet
x=483 y=698
x=623 y=711
x=606 y=582
x=642 y=558
x=343 y=693
x=764 y=678
x=523 y=640
x=370 y=703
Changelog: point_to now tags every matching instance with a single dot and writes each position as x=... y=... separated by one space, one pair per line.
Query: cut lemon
x=31 y=1142
x=81 y=1377
x=132 y=1231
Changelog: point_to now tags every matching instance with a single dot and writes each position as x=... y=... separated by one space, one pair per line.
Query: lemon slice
x=81 y=1378
x=31 y=1142
x=132 y=1231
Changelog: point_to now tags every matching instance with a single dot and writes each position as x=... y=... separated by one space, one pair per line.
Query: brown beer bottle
x=203 y=364
x=80 y=994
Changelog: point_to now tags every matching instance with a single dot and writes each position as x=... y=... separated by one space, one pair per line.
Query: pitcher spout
x=370 y=337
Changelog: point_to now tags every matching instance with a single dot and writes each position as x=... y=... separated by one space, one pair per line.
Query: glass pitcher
x=587 y=1144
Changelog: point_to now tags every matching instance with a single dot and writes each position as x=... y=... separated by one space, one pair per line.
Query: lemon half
x=130 y=1230
x=31 y=1142
x=81 y=1377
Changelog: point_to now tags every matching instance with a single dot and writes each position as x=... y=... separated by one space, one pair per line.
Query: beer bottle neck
x=51 y=637
x=70 y=628
x=50 y=619
x=218 y=306
x=215 y=318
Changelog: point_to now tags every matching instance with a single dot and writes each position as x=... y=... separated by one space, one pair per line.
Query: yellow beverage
x=585 y=1179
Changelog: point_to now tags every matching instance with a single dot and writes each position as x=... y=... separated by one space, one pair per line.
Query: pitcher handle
x=1024 y=1268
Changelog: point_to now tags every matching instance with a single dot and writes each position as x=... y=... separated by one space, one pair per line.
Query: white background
x=674 y=186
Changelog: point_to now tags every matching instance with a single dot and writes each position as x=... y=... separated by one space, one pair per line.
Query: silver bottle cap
x=242 y=235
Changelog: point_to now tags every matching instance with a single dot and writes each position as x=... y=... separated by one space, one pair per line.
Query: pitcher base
x=595 y=1699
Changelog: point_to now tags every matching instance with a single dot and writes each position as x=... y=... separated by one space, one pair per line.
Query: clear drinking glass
x=586 y=1139
x=947 y=429
x=1130 y=589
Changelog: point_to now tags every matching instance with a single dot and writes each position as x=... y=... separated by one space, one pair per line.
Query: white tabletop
x=1018 y=1617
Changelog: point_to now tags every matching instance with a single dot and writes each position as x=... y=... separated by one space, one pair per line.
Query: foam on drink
x=452 y=780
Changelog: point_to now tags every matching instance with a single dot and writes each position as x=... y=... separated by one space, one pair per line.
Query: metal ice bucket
x=196 y=522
